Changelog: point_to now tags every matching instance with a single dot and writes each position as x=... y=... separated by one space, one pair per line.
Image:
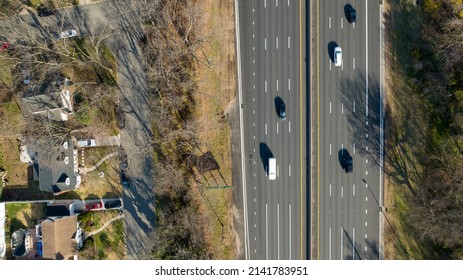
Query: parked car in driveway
x=115 y=204
x=94 y=206
x=68 y=34
x=86 y=143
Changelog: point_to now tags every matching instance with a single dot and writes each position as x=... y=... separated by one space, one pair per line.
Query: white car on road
x=337 y=56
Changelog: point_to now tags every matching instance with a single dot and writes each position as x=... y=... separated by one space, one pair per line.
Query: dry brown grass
x=216 y=89
x=17 y=170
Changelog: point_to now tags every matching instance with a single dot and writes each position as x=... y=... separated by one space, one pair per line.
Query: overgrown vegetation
x=170 y=45
x=424 y=149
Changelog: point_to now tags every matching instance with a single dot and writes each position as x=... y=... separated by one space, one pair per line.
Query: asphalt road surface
x=349 y=120
x=272 y=71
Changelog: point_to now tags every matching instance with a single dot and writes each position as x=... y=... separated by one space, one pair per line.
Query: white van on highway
x=272 y=168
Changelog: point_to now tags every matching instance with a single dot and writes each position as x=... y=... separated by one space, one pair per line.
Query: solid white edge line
x=266 y=231
x=278 y=229
x=342 y=243
x=353 y=243
x=243 y=162
x=381 y=116
x=289 y=206
x=329 y=246
x=366 y=58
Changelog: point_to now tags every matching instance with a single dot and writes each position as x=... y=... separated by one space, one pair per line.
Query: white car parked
x=86 y=143
x=337 y=56
x=68 y=34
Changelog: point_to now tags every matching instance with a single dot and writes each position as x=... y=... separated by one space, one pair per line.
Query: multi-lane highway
x=347 y=121
x=272 y=72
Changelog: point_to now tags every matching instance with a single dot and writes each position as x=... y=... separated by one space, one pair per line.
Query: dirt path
x=87 y=235
x=90 y=169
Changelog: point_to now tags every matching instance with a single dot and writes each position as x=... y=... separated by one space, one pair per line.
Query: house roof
x=58 y=210
x=53 y=99
x=56 y=166
x=58 y=237
x=43 y=102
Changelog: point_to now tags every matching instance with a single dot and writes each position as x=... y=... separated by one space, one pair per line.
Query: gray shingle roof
x=56 y=166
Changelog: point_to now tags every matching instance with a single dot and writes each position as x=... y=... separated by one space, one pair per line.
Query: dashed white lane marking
x=265 y=85
x=354 y=148
x=353 y=190
x=290 y=170
x=353 y=61
x=329 y=22
x=342 y=191
x=289 y=42
x=265 y=129
x=366 y=198
x=289 y=84
x=354 y=106
x=277 y=85
x=277 y=42
x=330 y=189
x=277 y=3
x=265 y=43
x=342 y=23
x=277 y=128
x=289 y=127
x=330 y=107
x=366 y=223
x=265 y=3
x=342 y=108
x=366 y=211
x=330 y=149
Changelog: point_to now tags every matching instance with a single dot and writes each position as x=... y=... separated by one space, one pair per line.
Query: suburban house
x=60 y=238
x=57 y=166
x=53 y=100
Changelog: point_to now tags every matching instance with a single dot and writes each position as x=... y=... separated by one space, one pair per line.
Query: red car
x=93 y=206
x=4 y=46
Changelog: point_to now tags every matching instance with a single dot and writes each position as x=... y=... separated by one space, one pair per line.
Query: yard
x=109 y=244
x=93 y=185
x=21 y=215
x=16 y=170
